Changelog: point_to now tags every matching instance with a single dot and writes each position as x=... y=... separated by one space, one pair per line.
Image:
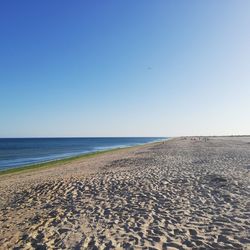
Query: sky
x=124 y=68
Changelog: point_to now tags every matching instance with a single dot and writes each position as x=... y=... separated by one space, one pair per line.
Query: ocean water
x=16 y=152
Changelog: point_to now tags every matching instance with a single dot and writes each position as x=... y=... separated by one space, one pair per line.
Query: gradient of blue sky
x=124 y=68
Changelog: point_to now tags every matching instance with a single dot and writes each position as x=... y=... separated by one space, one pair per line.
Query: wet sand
x=185 y=193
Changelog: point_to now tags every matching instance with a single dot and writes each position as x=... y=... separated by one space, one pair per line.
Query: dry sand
x=186 y=193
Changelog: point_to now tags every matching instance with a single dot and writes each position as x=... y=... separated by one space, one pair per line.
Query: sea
x=18 y=152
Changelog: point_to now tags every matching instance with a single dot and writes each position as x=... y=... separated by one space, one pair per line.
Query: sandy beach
x=185 y=193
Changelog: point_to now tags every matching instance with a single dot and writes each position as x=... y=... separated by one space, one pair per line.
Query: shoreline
x=184 y=193
x=55 y=162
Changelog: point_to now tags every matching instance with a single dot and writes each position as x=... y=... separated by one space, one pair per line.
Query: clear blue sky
x=124 y=68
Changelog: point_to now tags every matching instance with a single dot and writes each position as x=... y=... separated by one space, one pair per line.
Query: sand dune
x=186 y=193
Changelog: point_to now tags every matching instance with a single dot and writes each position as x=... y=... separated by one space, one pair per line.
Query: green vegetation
x=55 y=162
